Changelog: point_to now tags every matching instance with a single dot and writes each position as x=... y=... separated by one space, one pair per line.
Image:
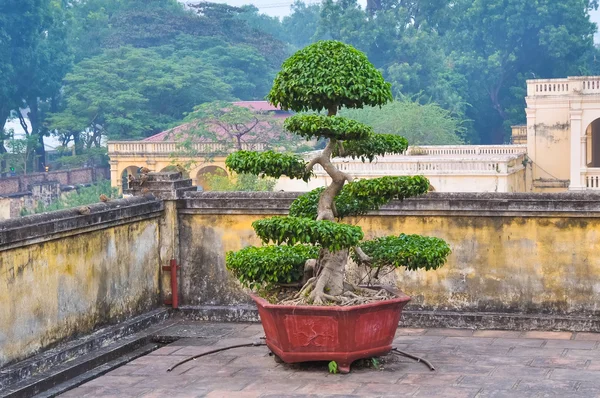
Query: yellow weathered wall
x=529 y=263
x=69 y=283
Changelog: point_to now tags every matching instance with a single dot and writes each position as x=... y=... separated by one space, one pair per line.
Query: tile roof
x=259 y=106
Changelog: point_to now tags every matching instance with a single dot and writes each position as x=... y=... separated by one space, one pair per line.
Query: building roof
x=258 y=106
x=261 y=106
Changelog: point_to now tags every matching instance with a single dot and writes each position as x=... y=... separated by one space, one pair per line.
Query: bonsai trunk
x=328 y=283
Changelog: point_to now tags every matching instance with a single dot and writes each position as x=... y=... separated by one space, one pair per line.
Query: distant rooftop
x=257 y=106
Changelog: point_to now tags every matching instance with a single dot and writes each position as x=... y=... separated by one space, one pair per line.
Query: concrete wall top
x=35 y=228
x=571 y=204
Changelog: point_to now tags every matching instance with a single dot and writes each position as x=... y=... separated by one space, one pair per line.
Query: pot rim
x=401 y=297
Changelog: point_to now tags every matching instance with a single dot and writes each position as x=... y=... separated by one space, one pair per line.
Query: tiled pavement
x=468 y=363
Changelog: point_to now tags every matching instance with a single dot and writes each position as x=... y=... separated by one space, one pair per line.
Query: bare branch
x=348 y=177
x=313 y=162
x=364 y=258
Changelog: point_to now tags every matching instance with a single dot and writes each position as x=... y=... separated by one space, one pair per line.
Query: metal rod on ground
x=416 y=358
x=255 y=344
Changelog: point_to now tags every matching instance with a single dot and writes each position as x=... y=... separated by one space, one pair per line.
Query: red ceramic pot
x=331 y=333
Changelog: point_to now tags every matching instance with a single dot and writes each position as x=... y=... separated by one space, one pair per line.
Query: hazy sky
x=281 y=8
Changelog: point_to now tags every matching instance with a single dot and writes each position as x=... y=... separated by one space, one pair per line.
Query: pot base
x=331 y=333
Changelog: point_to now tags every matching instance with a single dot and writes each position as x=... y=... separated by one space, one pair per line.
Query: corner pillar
x=170 y=187
x=577 y=155
x=114 y=175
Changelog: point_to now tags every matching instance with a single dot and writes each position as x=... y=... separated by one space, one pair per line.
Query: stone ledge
x=423 y=319
x=44 y=225
x=572 y=204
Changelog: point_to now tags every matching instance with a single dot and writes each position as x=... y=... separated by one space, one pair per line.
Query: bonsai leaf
x=375 y=363
x=268 y=163
x=328 y=75
x=410 y=251
x=294 y=230
x=374 y=145
x=321 y=126
x=379 y=191
x=333 y=367
x=359 y=197
x=306 y=204
x=263 y=267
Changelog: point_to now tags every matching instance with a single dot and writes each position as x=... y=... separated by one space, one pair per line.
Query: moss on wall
x=70 y=283
x=526 y=264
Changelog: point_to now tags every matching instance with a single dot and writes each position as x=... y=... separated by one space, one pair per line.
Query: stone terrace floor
x=468 y=363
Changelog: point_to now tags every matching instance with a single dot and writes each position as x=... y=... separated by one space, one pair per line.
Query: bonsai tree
x=327 y=76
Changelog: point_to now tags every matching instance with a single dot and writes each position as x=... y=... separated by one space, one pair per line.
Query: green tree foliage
x=142 y=65
x=20 y=153
x=331 y=75
x=240 y=183
x=269 y=163
x=296 y=87
x=359 y=197
x=129 y=92
x=470 y=57
x=34 y=57
x=428 y=124
x=498 y=44
x=410 y=251
x=264 y=267
x=81 y=197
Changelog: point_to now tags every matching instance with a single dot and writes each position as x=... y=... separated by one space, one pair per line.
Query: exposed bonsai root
x=310 y=270
x=307 y=288
x=311 y=295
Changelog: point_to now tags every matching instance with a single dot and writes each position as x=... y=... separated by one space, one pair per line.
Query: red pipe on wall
x=175 y=299
x=172 y=267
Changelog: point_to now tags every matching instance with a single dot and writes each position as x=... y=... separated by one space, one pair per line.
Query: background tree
x=498 y=44
x=428 y=124
x=129 y=93
x=330 y=75
x=470 y=57
x=36 y=56
x=236 y=126
x=80 y=197
x=21 y=153
x=240 y=183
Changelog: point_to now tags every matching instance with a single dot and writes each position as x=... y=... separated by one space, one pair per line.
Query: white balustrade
x=411 y=165
x=570 y=86
x=592 y=179
x=441 y=150
x=166 y=148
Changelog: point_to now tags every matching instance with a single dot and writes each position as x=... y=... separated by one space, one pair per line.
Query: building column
x=583 y=167
x=115 y=180
x=576 y=152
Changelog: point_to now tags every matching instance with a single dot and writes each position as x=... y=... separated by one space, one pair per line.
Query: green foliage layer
x=375 y=145
x=328 y=75
x=321 y=126
x=372 y=194
x=295 y=230
x=268 y=163
x=388 y=188
x=410 y=251
x=263 y=267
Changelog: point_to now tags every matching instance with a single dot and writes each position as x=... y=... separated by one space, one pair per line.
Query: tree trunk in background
x=36 y=128
x=4 y=113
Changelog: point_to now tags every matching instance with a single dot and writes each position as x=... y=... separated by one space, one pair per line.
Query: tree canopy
x=420 y=124
x=465 y=61
x=330 y=75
